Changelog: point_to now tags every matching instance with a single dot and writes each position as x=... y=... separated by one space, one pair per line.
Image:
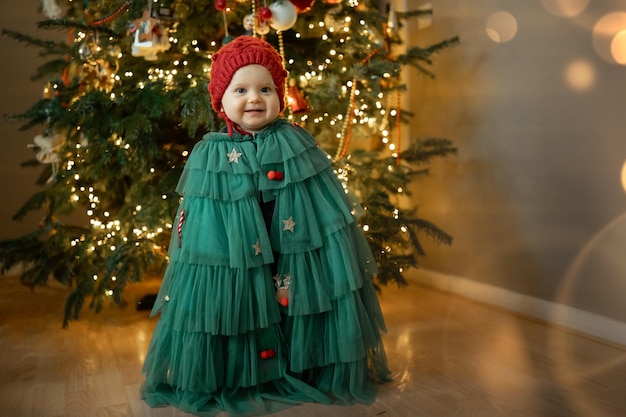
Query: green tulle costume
x=224 y=340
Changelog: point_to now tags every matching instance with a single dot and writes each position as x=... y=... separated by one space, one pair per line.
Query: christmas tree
x=125 y=100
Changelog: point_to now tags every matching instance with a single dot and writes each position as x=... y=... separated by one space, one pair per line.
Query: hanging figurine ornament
x=248 y=24
x=51 y=9
x=253 y=25
x=49 y=145
x=150 y=37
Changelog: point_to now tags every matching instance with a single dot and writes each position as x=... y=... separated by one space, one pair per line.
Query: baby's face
x=251 y=100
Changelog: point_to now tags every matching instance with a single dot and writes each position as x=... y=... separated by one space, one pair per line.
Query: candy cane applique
x=181 y=220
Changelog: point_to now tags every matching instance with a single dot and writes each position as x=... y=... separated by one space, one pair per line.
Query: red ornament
x=267 y=354
x=275 y=175
x=332 y=1
x=221 y=4
x=265 y=14
x=297 y=102
x=302 y=6
x=284 y=302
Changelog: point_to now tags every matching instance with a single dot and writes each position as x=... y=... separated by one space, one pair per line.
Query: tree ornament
x=51 y=9
x=248 y=23
x=150 y=38
x=392 y=23
x=85 y=51
x=332 y=1
x=265 y=13
x=263 y=28
x=332 y=19
x=284 y=15
x=295 y=99
x=303 y=6
x=221 y=5
x=49 y=144
x=98 y=74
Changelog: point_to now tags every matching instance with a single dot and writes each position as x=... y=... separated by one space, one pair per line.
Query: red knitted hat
x=244 y=50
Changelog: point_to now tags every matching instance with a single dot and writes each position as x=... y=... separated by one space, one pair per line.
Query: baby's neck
x=238 y=129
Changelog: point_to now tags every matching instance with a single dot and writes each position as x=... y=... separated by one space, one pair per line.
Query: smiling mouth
x=254 y=111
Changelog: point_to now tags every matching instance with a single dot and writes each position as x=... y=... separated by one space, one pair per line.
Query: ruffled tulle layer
x=223 y=342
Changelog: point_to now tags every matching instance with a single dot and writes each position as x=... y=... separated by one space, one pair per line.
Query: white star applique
x=289 y=224
x=257 y=248
x=233 y=156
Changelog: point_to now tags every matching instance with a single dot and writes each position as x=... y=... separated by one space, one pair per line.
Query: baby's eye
x=266 y=89
x=240 y=90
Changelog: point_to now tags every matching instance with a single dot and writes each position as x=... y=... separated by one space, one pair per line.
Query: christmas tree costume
x=223 y=340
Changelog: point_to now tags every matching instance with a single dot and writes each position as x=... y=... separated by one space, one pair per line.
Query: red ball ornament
x=279 y=176
x=221 y=4
x=270 y=353
x=264 y=354
x=303 y=6
x=284 y=302
x=265 y=13
x=271 y=175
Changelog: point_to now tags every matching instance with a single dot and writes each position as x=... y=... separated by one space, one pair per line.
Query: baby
x=267 y=300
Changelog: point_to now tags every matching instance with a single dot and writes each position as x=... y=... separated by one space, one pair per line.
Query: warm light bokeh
x=580 y=75
x=565 y=8
x=501 y=27
x=608 y=39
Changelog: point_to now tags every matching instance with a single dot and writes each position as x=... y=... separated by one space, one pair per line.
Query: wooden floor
x=450 y=358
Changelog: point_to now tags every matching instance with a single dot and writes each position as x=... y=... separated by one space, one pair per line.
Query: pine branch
x=30 y=40
x=73 y=24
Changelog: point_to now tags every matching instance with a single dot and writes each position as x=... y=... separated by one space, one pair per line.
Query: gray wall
x=534 y=199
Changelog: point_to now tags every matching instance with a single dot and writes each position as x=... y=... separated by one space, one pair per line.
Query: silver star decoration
x=233 y=156
x=257 y=247
x=289 y=224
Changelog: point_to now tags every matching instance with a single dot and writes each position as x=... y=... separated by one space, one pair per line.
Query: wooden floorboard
x=450 y=357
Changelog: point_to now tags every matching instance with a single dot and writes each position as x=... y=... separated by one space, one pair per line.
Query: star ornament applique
x=234 y=156
x=288 y=224
x=257 y=248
